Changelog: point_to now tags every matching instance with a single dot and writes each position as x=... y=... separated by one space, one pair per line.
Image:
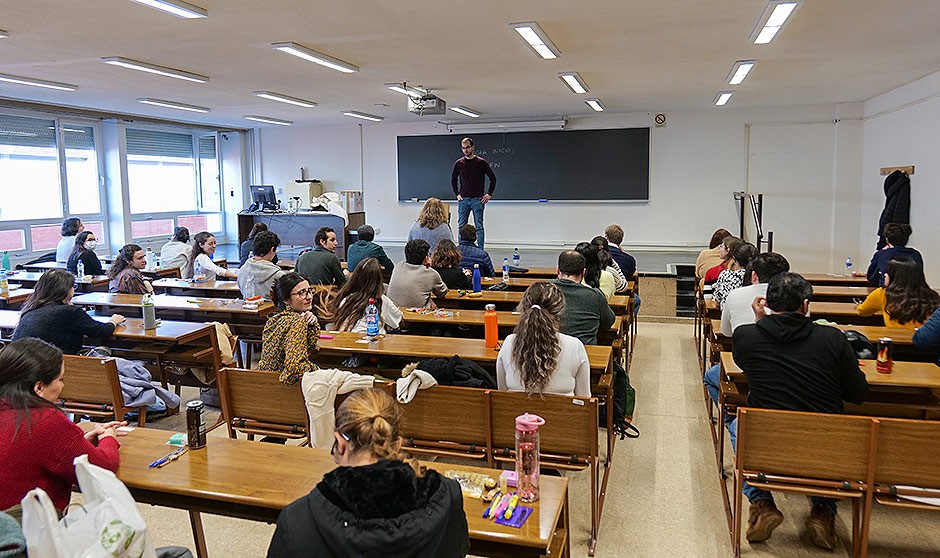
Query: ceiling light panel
x=3 y=34
x=172 y=105
x=154 y=69
x=537 y=40
x=268 y=120
x=364 y=116
x=311 y=55
x=406 y=89
x=722 y=98
x=595 y=104
x=740 y=71
x=19 y=80
x=772 y=20
x=574 y=82
x=176 y=7
x=270 y=95
x=460 y=109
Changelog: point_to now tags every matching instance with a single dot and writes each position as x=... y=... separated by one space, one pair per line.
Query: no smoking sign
x=660 y=120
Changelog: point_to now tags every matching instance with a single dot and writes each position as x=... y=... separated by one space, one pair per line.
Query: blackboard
x=566 y=165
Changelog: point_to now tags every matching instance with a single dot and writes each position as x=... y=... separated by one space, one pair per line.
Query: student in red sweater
x=37 y=441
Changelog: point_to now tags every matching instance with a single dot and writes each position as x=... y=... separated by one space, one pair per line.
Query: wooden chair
x=255 y=402
x=93 y=388
x=446 y=421
x=814 y=454
x=568 y=440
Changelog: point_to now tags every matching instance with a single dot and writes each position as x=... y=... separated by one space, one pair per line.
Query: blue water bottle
x=372 y=319
x=477 y=282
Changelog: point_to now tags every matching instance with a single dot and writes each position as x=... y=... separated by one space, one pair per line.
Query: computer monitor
x=263 y=196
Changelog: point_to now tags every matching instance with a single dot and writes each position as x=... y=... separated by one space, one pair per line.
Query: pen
x=493 y=505
x=502 y=506
x=173 y=455
x=512 y=506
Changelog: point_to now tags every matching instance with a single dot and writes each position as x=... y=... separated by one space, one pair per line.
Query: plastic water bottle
x=149 y=258
x=80 y=267
x=149 y=312
x=156 y=261
x=527 y=456
x=198 y=275
x=4 y=285
x=515 y=257
x=372 y=319
x=477 y=280
x=6 y=261
x=505 y=270
x=848 y=265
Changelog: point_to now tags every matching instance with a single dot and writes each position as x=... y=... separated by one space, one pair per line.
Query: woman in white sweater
x=536 y=358
x=201 y=259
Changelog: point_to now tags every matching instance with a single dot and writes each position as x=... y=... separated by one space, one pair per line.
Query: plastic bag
x=108 y=525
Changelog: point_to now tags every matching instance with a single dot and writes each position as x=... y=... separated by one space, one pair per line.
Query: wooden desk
x=151 y=273
x=86 y=284
x=521 y=283
x=537 y=273
x=132 y=328
x=834 y=279
x=508 y=300
x=251 y=480
x=839 y=293
x=218 y=289
x=15 y=298
x=839 y=312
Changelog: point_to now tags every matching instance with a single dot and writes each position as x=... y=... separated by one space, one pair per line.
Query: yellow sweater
x=876 y=303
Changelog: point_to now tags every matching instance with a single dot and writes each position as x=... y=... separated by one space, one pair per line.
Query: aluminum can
x=196 y=424
x=885 y=359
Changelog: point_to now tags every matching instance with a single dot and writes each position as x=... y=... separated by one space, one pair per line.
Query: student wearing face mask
x=84 y=251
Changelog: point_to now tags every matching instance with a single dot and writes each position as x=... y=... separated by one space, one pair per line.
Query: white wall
x=901 y=128
x=697 y=161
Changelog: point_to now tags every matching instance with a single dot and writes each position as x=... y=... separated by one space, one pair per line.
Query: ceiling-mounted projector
x=427 y=104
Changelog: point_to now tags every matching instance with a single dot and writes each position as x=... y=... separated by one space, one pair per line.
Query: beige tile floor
x=664 y=497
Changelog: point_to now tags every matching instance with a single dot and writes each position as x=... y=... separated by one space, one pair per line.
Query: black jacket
x=795 y=365
x=897 y=203
x=63 y=325
x=382 y=510
x=456 y=371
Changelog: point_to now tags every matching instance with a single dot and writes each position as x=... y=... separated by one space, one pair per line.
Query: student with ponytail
x=380 y=501
x=537 y=358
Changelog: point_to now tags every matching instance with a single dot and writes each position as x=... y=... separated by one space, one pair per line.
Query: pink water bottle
x=527 y=456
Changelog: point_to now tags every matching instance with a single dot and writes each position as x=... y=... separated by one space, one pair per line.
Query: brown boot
x=764 y=518
x=821 y=528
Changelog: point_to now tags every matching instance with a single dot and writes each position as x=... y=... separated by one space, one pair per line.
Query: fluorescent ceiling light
x=173 y=105
x=772 y=20
x=176 y=7
x=574 y=82
x=284 y=99
x=460 y=109
x=723 y=97
x=268 y=120
x=154 y=69
x=3 y=34
x=37 y=82
x=595 y=104
x=537 y=40
x=406 y=89
x=364 y=116
x=740 y=70
x=314 y=56
x=548 y=123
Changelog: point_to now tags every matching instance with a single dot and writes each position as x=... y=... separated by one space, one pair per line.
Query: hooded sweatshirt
x=796 y=365
x=256 y=277
x=381 y=510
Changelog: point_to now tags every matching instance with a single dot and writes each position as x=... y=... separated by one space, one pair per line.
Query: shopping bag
x=108 y=525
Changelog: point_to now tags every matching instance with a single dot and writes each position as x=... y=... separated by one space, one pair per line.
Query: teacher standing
x=472 y=172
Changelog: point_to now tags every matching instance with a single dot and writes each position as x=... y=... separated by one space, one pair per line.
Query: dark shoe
x=821 y=528
x=764 y=518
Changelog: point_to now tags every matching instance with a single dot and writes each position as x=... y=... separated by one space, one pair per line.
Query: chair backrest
x=445 y=414
x=570 y=427
x=811 y=445
x=260 y=397
x=907 y=453
x=92 y=382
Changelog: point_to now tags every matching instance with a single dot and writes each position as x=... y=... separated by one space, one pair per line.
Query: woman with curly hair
x=537 y=358
x=906 y=300
x=431 y=225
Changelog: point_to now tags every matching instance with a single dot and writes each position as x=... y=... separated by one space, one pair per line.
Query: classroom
x=666 y=119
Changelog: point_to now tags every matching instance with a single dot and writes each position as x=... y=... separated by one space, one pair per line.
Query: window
x=47 y=237
x=29 y=169
x=161 y=172
x=12 y=240
x=152 y=227
x=210 y=192
x=81 y=169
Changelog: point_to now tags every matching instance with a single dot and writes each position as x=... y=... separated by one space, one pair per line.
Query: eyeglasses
x=303 y=293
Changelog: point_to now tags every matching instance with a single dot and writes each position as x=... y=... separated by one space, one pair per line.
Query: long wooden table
x=835 y=279
x=253 y=480
x=42 y=267
x=216 y=288
x=15 y=298
x=521 y=283
x=839 y=312
x=508 y=300
x=86 y=284
x=537 y=272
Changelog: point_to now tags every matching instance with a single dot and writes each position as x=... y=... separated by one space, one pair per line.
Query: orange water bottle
x=491 y=326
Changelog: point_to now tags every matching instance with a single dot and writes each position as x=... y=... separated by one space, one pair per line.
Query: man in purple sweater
x=472 y=171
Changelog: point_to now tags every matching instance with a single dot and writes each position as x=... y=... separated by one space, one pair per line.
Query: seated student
x=446 y=261
x=70 y=227
x=48 y=314
x=586 y=308
x=896 y=235
x=733 y=277
x=711 y=257
x=471 y=254
x=320 y=266
x=124 y=272
x=594 y=275
x=621 y=284
x=627 y=263
x=201 y=258
x=84 y=251
x=727 y=248
x=257 y=275
x=927 y=338
x=366 y=248
x=39 y=440
x=248 y=246
x=176 y=252
x=431 y=225
x=906 y=300
x=413 y=281
x=290 y=336
x=380 y=501
x=346 y=311
x=536 y=358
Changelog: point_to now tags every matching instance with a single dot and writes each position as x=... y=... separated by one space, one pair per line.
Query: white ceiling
x=635 y=55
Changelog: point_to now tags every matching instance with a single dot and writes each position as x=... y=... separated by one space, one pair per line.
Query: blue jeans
x=713 y=386
x=464 y=207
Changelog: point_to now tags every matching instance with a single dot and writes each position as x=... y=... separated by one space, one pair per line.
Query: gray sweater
x=412 y=285
x=256 y=277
